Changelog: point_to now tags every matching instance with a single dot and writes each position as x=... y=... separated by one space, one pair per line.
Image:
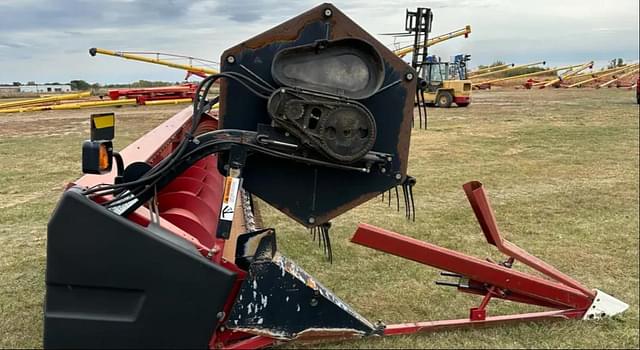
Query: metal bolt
x=383 y=170
x=398 y=176
x=220 y=315
x=313 y=302
x=327 y=12
x=212 y=251
x=380 y=325
x=311 y=220
x=408 y=76
x=196 y=141
x=231 y=59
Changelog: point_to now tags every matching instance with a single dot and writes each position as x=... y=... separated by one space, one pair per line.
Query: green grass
x=560 y=168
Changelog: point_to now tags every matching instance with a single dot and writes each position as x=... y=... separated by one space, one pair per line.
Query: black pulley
x=347 y=133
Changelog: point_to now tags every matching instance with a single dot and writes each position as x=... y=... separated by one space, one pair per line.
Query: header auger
x=166 y=249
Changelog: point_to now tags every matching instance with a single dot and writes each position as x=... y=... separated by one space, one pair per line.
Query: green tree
x=79 y=85
x=616 y=62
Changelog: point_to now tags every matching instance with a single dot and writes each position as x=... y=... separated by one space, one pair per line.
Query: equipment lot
x=560 y=168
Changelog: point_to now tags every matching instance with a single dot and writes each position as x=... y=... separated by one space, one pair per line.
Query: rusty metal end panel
x=311 y=194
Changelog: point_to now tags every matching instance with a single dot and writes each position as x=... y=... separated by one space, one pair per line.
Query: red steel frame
x=569 y=297
x=484 y=277
x=490 y=279
x=152 y=148
x=141 y=95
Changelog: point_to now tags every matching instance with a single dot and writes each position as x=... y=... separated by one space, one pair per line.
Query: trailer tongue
x=165 y=248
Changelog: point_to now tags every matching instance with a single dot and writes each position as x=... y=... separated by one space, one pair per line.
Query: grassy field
x=560 y=167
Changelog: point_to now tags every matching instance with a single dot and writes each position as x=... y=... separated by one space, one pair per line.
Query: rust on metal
x=341 y=26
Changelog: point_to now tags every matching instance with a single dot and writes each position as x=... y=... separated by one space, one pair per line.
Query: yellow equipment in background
x=624 y=75
x=487 y=83
x=72 y=105
x=567 y=75
x=36 y=101
x=502 y=70
x=490 y=69
x=438 y=39
x=440 y=91
x=191 y=69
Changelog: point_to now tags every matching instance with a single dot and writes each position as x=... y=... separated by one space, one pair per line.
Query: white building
x=9 y=88
x=45 y=88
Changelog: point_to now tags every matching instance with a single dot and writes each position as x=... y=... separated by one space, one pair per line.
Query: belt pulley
x=343 y=130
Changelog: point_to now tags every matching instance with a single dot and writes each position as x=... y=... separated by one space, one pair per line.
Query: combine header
x=143 y=95
x=166 y=249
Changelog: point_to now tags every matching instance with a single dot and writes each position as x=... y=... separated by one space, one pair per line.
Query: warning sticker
x=231 y=188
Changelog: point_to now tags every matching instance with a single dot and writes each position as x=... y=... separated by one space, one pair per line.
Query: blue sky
x=48 y=40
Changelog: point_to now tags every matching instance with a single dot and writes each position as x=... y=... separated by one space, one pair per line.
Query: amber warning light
x=97 y=153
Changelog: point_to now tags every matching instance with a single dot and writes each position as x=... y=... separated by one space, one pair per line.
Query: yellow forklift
x=441 y=83
x=445 y=83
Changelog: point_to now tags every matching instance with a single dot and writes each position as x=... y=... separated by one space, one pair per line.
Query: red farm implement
x=160 y=244
x=142 y=95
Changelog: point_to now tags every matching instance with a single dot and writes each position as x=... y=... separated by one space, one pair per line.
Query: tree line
x=82 y=85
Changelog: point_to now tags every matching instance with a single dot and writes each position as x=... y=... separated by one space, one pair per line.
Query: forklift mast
x=419 y=23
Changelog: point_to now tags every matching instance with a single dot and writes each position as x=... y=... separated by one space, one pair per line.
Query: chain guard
x=344 y=131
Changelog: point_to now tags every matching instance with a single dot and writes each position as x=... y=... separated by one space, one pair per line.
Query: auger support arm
x=491 y=279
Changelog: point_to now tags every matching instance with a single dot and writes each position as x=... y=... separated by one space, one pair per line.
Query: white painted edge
x=604 y=305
